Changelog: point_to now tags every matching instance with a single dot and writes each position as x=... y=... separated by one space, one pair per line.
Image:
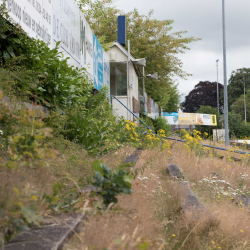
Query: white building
x=123 y=82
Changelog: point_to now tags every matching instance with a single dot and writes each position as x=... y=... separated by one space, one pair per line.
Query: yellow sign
x=213 y=120
x=187 y=119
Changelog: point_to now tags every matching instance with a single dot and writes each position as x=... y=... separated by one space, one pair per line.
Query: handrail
x=131 y=113
x=209 y=146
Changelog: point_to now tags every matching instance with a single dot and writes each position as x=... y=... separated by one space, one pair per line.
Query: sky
x=203 y=19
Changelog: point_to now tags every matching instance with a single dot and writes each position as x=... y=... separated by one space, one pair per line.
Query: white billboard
x=35 y=17
x=86 y=45
x=66 y=28
x=62 y=20
x=106 y=70
x=172 y=118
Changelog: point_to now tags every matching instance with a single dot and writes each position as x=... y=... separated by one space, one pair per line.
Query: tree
x=239 y=107
x=236 y=86
x=204 y=93
x=237 y=128
x=149 y=38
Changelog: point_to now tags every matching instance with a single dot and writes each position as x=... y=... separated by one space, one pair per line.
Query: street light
x=154 y=76
x=245 y=97
x=217 y=87
x=225 y=76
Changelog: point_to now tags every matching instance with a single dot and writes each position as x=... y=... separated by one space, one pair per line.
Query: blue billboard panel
x=121 y=26
x=172 y=118
x=97 y=63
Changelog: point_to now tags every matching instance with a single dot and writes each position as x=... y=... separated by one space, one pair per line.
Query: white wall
x=118 y=109
x=132 y=88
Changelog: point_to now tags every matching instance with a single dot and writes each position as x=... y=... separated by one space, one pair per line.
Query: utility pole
x=245 y=98
x=128 y=82
x=217 y=87
x=143 y=89
x=225 y=76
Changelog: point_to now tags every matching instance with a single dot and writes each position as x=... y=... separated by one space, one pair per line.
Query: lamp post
x=128 y=82
x=245 y=98
x=217 y=87
x=225 y=76
x=142 y=62
x=143 y=89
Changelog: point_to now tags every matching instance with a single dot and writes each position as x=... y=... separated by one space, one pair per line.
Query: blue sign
x=97 y=63
x=121 y=33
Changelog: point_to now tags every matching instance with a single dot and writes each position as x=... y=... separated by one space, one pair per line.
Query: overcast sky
x=203 y=19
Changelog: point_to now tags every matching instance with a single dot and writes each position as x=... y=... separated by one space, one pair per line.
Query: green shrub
x=111 y=183
x=183 y=133
x=43 y=71
x=82 y=128
x=161 y=123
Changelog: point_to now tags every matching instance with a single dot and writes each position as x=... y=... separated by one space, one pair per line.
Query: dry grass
x=152 y=218
x=233 y=231
x=19 y=185
x=132 y=222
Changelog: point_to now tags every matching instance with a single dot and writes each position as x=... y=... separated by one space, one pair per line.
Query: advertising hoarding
x=172 y=118
x=206 y=119
x=35 y=17
x=62 y=20
x=86 y=45
x=66 y=29
x=175 y=118
x=106 y=70
x=187 y=118
x=97 y=63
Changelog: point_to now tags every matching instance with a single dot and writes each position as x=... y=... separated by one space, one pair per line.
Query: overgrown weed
x=216 y=182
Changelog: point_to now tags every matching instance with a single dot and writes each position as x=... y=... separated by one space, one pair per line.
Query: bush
x=111 y=183
x=183 y=133
x=161 y=123
x=236 y=127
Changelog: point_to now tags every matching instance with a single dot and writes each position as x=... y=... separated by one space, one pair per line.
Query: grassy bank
x=152 y=217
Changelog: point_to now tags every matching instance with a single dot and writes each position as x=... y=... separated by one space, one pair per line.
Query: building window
x=118 y=78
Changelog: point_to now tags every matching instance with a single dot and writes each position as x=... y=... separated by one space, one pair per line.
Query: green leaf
x=31 y=216
x=106 y=170
x=128 y=178
x=99 y=180
x=96 y=165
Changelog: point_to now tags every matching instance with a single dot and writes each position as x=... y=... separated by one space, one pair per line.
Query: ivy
x=49 y=79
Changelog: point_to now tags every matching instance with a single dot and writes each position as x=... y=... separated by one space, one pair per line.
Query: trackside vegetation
x=45 y=159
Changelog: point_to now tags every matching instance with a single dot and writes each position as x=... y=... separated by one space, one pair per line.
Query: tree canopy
x=236 y=86
x=239 y=107
x=150 y=38
x=204 y=93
